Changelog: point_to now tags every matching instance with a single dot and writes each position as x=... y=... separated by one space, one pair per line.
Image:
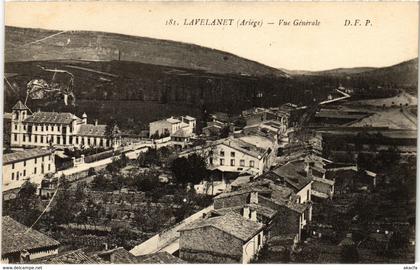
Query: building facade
x=61 y=130
x=169 y=126
x=30 y=164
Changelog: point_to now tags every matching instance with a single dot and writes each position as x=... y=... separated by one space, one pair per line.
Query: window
x=251 y=163
x=36 y=139
x=29 y=138
x=15 y=137
x=24 y=163
x=222 y=153
x=308 y=194
x=58 y=140
x=211 y=161
x=222 y=161
x=42 y=159
x=42 y=128
x=24 y=173
x=36 y=128
x=232 y=162
x=13 y=176
x=49 y=167
x=24 y=138
x=13 y=166
x=242 y=163
x=232 y=154
x=16 y=127
x=42 y=139
x=35 y=170
x=36 y=160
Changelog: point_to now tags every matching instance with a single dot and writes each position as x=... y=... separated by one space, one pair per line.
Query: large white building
x=30 y=164
x=41 y=129
x=235 y=155
x=172 y=125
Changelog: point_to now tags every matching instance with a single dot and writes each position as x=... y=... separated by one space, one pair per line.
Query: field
x=392 y=118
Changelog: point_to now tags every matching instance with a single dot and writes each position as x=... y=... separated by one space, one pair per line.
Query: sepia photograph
x=209 y=133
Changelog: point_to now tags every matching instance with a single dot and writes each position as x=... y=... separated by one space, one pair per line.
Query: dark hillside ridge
x=27 y=44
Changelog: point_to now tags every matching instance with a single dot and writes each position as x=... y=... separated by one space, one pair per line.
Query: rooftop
x=16 y=238
x=92 y=130
x=159 y=258
x=116 y=255
x=243 y=191
x=245 y=147
x=231 y=223
x=20 y=106
x=25 y=155
x=72 y=257
x=51 y=118
x=290 y=173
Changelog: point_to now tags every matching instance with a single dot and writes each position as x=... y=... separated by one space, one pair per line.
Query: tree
x=62 y=211
x=189 y=170
x=179 y=169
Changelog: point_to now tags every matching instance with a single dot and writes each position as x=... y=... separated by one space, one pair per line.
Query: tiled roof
x=92 y=130
x=159 y=258
x=20 y=106
x=25 y=155
x=243 y=191
x=72 y=257
x=290 y=174
x=231 y=223
x=245 y=147
x=14 y=238
x=117 y=255
x=51 y=118
x=261 y=210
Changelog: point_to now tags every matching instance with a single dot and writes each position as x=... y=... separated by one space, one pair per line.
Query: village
x=325 y=183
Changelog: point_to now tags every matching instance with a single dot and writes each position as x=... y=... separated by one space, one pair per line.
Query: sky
x=392 y=36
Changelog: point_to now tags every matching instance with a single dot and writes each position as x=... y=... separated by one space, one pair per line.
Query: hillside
x=27 y=44
x=139 y=79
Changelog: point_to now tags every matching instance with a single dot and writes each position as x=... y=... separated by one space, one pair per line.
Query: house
x=30 y=164
x=21 y=244
x=274 y=205
x=214 y=128
x=228 y=238
x=159 y=258
x=258 y=115
x=168 y=127
x=234 y=155
x=291 y=176
x=62 y=130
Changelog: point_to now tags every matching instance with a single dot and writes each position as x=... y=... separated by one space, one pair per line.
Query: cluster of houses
x=264 y=181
